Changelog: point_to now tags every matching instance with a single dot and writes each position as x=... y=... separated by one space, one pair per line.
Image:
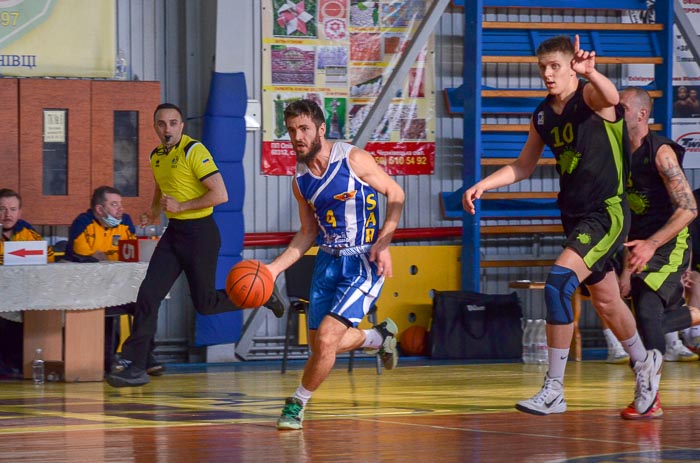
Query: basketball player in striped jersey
x=581 y=122
x=337 y=186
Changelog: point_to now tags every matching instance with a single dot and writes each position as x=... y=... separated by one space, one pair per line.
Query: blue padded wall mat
x=225 y=135
x=228 y=96
x=235 y=185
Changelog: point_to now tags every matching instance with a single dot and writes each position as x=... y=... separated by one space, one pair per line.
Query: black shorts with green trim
x=663 y=272
x=598 y=236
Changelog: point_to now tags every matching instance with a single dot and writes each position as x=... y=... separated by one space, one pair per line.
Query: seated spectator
x=13 y=229
x=94 y=236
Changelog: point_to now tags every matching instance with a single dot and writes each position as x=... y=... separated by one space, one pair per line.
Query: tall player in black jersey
x=583 y=126
x=657 y=252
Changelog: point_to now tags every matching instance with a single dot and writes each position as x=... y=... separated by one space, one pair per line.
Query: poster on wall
x=686 y=84
x=48 y=38
x=339 y=53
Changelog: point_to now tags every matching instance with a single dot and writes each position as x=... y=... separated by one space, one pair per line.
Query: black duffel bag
x=470 y=325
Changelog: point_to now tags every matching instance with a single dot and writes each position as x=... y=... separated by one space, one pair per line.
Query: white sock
x=373 y=339
x=557 y=363
x=302 y=394
x=635 y=347
x=610 y=338
x=671 y=338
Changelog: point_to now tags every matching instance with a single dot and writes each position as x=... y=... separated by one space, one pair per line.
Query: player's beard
x=314 y=149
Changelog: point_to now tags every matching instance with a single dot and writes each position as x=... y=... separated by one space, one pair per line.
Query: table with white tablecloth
x=63 y=309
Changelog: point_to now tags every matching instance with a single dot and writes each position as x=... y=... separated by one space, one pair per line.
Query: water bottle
x=542 y=351
x=534 y=341
x=528 y=332
x=120 y=65
x=38 y=367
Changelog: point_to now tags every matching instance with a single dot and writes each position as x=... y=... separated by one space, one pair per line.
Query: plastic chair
x=298 y=278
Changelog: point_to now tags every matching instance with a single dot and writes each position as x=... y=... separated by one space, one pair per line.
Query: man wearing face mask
x=94 y=235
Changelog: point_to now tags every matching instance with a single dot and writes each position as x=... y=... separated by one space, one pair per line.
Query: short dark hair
x=99 y=196
x=305 y=108
x=642 y=97
x=560 y=43
x=168 y=106
x=7 y=193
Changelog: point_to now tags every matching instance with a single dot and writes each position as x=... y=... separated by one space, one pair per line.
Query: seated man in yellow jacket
x=13 y=229
x=94 y=236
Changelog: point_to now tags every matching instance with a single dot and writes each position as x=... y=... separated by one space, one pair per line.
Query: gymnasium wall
x=173 y=41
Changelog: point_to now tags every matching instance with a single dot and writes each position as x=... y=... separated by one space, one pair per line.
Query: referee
x=188 y=186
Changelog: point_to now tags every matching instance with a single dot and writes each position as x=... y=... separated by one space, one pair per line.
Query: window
x=55 y=153
x=126 y=152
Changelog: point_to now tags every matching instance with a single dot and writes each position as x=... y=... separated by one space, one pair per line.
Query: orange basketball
x=414 y=341
x=249 y=284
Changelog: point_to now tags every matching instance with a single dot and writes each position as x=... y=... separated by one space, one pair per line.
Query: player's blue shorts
x=344 y=287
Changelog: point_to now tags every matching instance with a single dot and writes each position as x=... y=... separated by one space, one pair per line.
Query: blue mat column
x=224 y=134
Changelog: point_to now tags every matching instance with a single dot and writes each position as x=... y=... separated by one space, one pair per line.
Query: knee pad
x=560 y=287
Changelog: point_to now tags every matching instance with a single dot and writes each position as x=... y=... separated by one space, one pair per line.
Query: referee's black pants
x=191 y=246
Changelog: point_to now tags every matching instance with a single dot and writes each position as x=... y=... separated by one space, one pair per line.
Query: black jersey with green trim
x=649 y=201
x=592 y=154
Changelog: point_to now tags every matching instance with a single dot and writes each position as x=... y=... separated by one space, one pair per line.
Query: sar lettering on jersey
x=346 y=195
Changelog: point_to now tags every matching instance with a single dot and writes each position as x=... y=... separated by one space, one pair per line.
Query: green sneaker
x=292 y=414
x=388 y=352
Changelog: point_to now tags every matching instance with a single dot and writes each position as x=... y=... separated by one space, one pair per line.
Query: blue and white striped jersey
x=346 y=208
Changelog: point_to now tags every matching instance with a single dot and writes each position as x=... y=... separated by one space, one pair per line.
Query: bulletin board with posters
x=686 y=84
x=339 y=53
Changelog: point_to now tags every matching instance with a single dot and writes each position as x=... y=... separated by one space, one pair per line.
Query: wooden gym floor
x=424 y=411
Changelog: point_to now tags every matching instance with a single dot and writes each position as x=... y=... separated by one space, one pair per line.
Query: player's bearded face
x=310 y=151
x=305 y=137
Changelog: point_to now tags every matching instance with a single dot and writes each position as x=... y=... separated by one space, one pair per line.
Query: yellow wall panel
x=407 y=296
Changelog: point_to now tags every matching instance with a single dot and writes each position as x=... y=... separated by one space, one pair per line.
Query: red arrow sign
x=26 y=252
